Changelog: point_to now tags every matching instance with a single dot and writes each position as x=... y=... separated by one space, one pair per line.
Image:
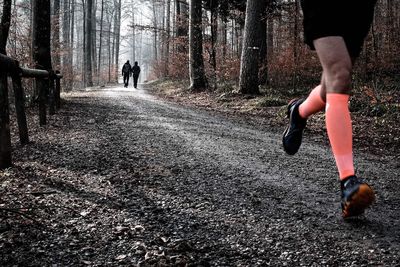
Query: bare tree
x=270 y=36
x=263 y=56
x=5 y=141
x=66 y=44
x=94 y=39
x=88 y=45
x=181 y=24
x=110 y=41
x=56 y=35
x=155 y=29
x=41 y=50
x=214 y=37
x=198 y=80
x=117 y=37
x=133 y=33
x=5 y=26
x=100 y=41
x=83 y=48
x=249 y=64
x=168 y=37
x=71 y=47
x=296 y=42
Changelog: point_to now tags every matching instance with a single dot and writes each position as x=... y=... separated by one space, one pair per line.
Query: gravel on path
x=120 y=177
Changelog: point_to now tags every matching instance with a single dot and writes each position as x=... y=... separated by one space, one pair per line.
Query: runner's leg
x=337 y=66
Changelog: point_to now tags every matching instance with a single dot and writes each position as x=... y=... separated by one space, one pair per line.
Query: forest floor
x=120 y=177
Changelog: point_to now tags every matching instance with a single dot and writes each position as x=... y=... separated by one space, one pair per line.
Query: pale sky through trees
x=143 y=16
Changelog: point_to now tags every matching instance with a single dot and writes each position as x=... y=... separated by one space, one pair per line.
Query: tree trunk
x=56 y=52
x=179 y=20
x=110 y=49
x=263 y=71
x=94 y=36
x=41 y=50
x=177 y=17
x=270 y=44
x=66 y=34
x=155 y=25
x=20 y=109
x=232 y=38
x=133 y=34
x=100 y=41
x=251 y=48
x=178 y=46
x=5 y=26
x=88 y=47
x=214 y=38
x=270 y=37
x=181 y=26
x=198 y=81
x=296 y=44
x=223 y=37
x=5 y=139
x=71 y=46
x=162 y=35
x=390 y=26
x=168 y=38
x=117 y=39
x=14 y=30
x=238 y=36
x=56 y=35
x=84 y=75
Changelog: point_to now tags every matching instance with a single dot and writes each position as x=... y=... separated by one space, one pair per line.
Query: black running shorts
x=350 y=19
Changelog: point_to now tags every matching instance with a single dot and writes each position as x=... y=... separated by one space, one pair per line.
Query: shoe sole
x=287 y=129
x=288 y=151
x=360 y=200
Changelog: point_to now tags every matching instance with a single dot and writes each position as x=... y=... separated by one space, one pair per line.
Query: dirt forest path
x=121 y=178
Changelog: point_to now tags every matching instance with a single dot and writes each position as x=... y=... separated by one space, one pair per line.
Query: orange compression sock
x=339 y=127
x=313 y=104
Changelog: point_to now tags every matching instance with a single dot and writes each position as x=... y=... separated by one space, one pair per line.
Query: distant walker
x=135 y=73
x=126 y=69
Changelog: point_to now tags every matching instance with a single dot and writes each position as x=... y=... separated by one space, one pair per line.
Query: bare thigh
x=336 y=63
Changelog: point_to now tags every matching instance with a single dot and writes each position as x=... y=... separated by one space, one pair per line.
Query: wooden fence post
x=20 y=108
x=52 y=109
x=42 y=86
x=42 y=77
x=5 y=137
x=58 y=91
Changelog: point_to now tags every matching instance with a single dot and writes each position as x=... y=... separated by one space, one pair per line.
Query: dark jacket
x=126 y=68
x=135 y=70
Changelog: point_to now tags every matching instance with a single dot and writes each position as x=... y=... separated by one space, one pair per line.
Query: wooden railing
x=49 y=88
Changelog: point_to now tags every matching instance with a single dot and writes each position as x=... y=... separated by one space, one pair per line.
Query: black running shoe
x=293 y=134
x=356 y=196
